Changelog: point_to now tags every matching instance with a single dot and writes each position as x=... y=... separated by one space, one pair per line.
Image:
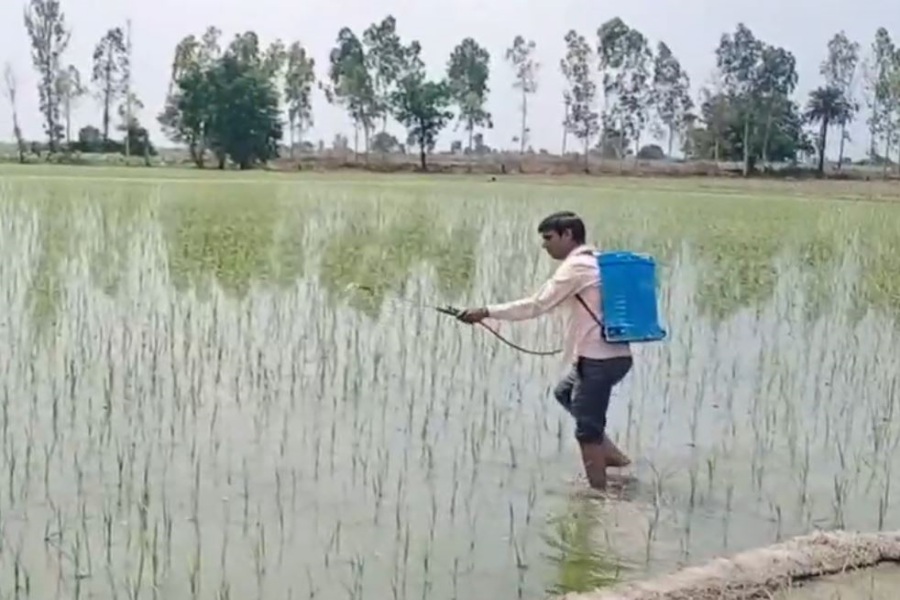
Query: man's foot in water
x=614 y=456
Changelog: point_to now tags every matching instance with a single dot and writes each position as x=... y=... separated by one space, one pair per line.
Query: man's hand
x=473 y=315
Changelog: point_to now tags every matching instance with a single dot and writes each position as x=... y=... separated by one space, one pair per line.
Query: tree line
x=238 y=100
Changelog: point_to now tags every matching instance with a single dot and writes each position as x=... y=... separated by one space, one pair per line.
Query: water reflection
x=234 y=240
x=580 y=543
x=237 y=242
x=369 y=258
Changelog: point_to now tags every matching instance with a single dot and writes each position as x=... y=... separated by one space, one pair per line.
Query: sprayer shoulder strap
x=588 y=308
x=583 y=303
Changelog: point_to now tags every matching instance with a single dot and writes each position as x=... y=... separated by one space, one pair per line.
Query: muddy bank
x=877 y=583
x=765 y=572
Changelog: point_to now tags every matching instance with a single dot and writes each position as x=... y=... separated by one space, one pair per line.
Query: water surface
x=196 y=404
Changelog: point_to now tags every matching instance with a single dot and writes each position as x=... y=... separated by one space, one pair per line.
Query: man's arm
x=563 y=284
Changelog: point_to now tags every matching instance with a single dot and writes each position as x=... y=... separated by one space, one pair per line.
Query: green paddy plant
x=193 y=402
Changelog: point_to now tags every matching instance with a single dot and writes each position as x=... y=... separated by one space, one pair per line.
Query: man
x=596 y=365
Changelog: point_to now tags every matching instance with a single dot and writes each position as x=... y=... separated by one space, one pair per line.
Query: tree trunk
x=746 y=169
x=671 y=139
x=765 y=147
x=51 y=122
x=292 y=126
x=196 y=151
x=21 y=145
x=823 y=134
x=422 y=160
x=841 y=151
x=107 y=99
x=587 y=164
x=471 y=155
x=17 y=131
x=68 y=121
x=366 y=140
x=524 y=122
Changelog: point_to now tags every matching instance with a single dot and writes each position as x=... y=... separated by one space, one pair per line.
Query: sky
x=691 y=28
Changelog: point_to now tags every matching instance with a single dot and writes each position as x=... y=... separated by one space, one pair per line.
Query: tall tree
x=723 y=118
x=626 y=64
x=137 y=139
x=70 y=89
x=187 y=116
x=385 y=59
x=351 y=84
x=46 y=26
x=839 y=70
x=826 y=105
x=245 y=121
x=468 y=71
x=228 y=101
x=421 y=106
x=636 y=91
x=299 y=80
x=714 y=116
x=110 y=67
x=521 y=56
x=882 y=73
x=776 y=81
x=126 y=110
x=671 y=92
x=583 y=120
x=128 y=107
x=739 y=59
x=9 y=79
x=612 y=49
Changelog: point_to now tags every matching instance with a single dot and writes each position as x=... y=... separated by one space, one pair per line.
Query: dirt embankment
x=784 y=571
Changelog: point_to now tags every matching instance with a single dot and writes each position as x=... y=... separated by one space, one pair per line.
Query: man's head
x=562 y=232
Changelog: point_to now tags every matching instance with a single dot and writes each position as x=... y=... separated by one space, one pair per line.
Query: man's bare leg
x=594 y=458
x=613 y=456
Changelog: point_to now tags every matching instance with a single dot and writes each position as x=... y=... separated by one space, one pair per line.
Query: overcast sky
x=691 y=28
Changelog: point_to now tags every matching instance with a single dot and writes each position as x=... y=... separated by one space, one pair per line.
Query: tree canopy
x=227 y=101
x=624 y=95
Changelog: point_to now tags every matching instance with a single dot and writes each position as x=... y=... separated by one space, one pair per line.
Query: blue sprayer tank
x=629 y=297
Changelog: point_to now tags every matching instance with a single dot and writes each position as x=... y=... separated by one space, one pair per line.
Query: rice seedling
x=195 y=402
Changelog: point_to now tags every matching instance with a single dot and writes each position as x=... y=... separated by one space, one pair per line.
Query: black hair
x=560 y=221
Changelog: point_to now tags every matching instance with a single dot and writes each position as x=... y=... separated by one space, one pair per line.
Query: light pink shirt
x=578 y=273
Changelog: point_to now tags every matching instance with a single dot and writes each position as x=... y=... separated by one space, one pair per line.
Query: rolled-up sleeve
x=559 y=287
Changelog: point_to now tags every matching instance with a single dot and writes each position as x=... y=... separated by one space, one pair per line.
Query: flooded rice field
x=197 y=400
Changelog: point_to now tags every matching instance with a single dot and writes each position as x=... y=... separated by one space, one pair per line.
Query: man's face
x=557 y=245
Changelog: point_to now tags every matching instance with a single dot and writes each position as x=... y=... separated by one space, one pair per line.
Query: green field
x=196 y=403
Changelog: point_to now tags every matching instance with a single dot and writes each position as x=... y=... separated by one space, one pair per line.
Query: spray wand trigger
x=449 y=310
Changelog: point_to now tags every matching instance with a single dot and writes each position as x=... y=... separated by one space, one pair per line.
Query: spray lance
x=454 y=312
